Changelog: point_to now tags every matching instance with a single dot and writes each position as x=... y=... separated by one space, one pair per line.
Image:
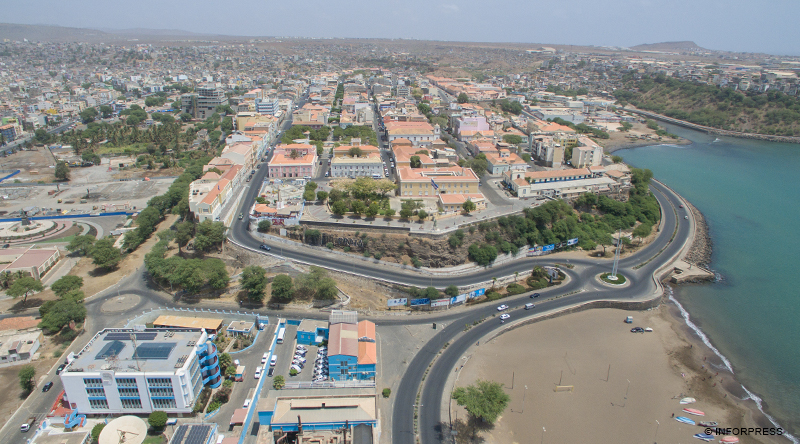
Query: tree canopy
x=282 y=290
x=24 y=286
x=26 y=375
x=483 y=400
x=66 y=284
x=254 y=281
x=105 y=255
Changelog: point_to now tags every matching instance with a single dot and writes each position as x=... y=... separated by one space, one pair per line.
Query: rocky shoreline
x=700 y=252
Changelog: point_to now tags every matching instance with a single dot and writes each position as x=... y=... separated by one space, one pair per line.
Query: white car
x=302 y=347
x=246 y=403
x=297 y=368
x=504 y=316
x=300 y=359
x=264 y=358
x=273 y=361
x=257 y=374
x=502 y=307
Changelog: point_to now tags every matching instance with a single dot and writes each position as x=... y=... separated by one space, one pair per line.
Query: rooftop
x=327 y=408
x=343 y=340
x=154 y=350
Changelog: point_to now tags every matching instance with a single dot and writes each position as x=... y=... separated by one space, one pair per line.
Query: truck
x=27 y=425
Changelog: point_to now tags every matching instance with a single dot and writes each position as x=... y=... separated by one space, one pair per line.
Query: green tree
x=254 y=280
x=26 y=377
x=63 y=311
x=415 y=162
x=82 y=244
x=339 y=208
x=23 y=286
x=282 y=288
x=422 y=215
x=451 y=291
x=642 y=231
x=372 y=210
x=406 y=213
x=157 y=420
x=616 y=159
x=88 y=115
x=62 y=171
x=41 y=136
x=65 y=284
x=484 y=400
x=513 y=139
x=278 y=383
x=185 y=117
x=263 y=226
x=225 y=361
x=321 y=196
x=96 y=430
x=358 y=207
x=355 y=152
x=230 y=372
x=105 y=255
x=309 y=195
x=430 y=293
x=210 y=234
x=389 y=212
x=482 y=254
x=183 y=233
x=462 y=98
x=106 y=111
x=469 y=206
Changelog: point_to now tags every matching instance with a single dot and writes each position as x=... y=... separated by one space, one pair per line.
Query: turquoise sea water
x=749 y=193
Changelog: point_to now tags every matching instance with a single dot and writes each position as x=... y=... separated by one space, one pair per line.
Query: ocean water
x=749 y=193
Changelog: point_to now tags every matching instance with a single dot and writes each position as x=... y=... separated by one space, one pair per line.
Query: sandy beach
x=622 y=382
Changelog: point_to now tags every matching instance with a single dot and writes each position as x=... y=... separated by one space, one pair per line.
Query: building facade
x=138 y=371
x=357 y=166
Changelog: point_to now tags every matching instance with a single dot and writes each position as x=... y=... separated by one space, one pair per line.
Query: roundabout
x=617 y=280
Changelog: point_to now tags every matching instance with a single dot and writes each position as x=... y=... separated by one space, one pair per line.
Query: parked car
x=637 y=330
x=297 y=368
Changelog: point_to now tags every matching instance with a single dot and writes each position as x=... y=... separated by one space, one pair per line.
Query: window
x=93 y=382
x=162 y=391
x=99 y=392
x=164 y=403
x=126 y=382
x=98 y=403
x=128 y=392
x=159 y=382
x=131 y=403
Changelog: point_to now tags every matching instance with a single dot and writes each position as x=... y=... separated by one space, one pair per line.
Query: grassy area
x=620 y=279
x=133 y=149
x=155 y=440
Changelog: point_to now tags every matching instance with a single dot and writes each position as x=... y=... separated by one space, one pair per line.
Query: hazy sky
x=736 y=25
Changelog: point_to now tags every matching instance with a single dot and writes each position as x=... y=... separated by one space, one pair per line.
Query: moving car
x=246 y=403
x=273 y=360
x=685 y=217
x=264 y=358
x=241 y=216
x=257 y=374
x=502 y=307
x=271 y=372
x=504 y=316
x=535 y=295
x=60 y=369
x=265 y=247
x=637 y=330
x=529 y=306
x=27 y=424
x=680 y=206
x=47 y=386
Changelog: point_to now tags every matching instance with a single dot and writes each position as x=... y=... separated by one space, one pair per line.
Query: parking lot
x=285 y=352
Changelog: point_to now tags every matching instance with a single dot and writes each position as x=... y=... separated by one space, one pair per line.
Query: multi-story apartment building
x=283 y=165
x=586 y=154
x=137 y=371
x=204 y=102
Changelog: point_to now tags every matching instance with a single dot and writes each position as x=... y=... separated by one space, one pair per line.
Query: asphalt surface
x=433 y=428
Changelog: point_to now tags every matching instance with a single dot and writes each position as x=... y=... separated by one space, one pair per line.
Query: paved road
x=431 y=423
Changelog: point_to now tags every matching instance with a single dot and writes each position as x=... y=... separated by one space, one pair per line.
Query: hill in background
x=670 y=47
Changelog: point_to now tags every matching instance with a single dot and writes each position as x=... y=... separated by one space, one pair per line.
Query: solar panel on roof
x=153 y=350
x=198 y=434
x=180 y=433
x=144 y=336
x=110 y=349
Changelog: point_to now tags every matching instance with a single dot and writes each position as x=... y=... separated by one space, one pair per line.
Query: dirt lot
x=39 y=160
x=11 y=394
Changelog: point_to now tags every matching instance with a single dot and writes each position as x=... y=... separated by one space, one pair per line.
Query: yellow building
x=434 y=181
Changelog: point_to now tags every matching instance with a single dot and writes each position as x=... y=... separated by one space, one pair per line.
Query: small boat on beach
x=704 y=437
x=694 y=412
x=708 y=423
x=729 y=440
x=688 y=401
x=684 y=420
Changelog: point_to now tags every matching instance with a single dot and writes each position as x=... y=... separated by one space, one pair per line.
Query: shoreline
x=611 y=146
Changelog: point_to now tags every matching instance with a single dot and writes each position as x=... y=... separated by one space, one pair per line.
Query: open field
x=622 y=382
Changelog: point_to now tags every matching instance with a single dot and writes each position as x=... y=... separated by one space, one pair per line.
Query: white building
x=587 y=153
x=135 y=371
x=357 y=166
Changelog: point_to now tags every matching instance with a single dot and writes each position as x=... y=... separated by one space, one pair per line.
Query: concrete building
x=419 y=133
x=9 y=132
x=312 y=332
x=33 y=261
x=18 y=345
x=453 y=203
x=137 y=371
x=564 y=184
x=195 y=434
x=434 y=181
x=504 y=160
x=587 y=153
x=267 y=106
x=209 y=194
x=209 y=325
x=203 y=103
x=352 y=353
x=282 y=165
x=368 y=166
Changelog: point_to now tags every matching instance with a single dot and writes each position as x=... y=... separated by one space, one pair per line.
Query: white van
x=529 y=306
x=297 y=368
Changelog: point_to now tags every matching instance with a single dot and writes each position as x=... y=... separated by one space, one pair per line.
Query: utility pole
x=523 y=399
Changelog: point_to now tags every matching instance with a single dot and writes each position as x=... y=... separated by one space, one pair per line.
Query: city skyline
x=731 y=26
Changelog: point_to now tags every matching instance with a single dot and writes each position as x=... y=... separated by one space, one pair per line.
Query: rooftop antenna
x=135 y=353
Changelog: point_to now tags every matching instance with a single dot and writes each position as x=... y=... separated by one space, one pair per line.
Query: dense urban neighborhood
x=298 y=241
